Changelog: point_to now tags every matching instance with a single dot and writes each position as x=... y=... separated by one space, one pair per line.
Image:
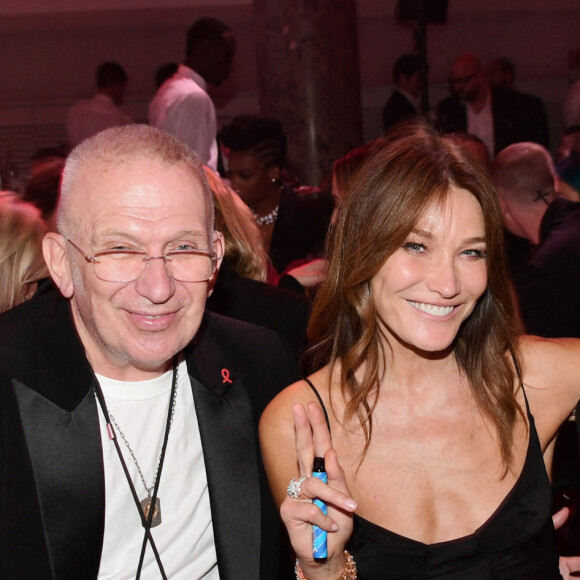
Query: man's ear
x=219 y=248
x=56 y=258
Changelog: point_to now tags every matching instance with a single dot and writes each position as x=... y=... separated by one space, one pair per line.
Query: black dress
x=301 y=227
x=516 y=542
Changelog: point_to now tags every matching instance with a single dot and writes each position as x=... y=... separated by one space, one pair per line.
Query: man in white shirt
x=90 y=116
x=182 y=105
x=128 y=415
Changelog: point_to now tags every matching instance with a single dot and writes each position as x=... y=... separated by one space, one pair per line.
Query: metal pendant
x=146 y=507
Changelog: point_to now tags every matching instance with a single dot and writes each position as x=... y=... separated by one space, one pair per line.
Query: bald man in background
x=497 y=116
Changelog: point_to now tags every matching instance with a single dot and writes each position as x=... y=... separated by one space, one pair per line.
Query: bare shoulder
x=277 y=435
x=551 y=376
x=278 y=414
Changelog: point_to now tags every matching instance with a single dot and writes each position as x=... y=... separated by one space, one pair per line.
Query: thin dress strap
x=519 y=374
x=321 y=403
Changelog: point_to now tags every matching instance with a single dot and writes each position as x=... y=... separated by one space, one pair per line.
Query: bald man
x=547 y=286
x=497 y=116
x=129 y=415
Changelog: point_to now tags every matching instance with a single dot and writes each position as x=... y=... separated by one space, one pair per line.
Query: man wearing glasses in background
x=128 y=416
x=497 y=116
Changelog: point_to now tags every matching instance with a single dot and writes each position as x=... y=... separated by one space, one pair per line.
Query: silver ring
x=294 y=490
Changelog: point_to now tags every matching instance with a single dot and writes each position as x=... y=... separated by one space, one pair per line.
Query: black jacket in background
x=548 y=287
x=517 y=117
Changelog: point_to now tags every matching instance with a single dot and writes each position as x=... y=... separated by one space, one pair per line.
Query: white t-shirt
x=184 y=538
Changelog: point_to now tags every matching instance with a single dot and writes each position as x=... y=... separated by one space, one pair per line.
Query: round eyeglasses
x=128 y=265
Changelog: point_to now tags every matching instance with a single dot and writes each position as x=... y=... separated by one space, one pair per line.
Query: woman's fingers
x=560 y=517
x=320 y=433
x=312 y=435
x=569 y=566
x=313 y=488
x=294 y=513
x=303 y=439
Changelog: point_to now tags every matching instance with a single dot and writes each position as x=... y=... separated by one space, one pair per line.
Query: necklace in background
x=267 y=219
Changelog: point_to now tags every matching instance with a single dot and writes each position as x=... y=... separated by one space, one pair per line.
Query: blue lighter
x=319 y=547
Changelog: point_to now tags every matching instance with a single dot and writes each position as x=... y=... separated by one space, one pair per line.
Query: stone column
x=309 y=79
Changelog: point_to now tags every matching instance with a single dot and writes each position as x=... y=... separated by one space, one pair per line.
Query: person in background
x=405 y=100
x=498 y=117
x=501 y=73
x=182 y=105
x=568 y=162
x=22 y=265
x=527 y=185
x=311 y=273
x=89 y=116
x=241 y=290
x=42 y=189
x=432 y=415
x=571 y=109
x=474 y=147
x=164 y=72
x=532 y=207
x=293 y=226
x=128 y=414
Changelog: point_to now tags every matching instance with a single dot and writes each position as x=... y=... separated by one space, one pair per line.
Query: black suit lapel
x=65 y=453
x=60 y=468
x=229 y=442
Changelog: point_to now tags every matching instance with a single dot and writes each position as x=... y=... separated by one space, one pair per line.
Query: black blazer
x=300 y=228
x=279 y=309
x=52 y=476
x=397 y=108
x=517 y=117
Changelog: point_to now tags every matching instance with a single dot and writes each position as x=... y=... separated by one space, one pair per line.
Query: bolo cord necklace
x=149 y=517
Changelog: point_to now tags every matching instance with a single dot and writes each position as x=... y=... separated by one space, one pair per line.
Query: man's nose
x=155 y=282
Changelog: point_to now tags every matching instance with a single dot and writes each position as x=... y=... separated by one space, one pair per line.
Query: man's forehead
x=142 y=181
x=132 y=167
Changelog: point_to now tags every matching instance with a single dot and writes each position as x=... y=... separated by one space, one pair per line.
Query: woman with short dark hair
x=293 y=226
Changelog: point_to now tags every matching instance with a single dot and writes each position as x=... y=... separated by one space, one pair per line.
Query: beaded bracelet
x=349 y=572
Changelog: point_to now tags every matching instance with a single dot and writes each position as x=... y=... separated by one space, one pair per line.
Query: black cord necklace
x=143 y=507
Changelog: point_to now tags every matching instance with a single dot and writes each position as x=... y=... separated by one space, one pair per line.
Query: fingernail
x=334 y=527
x=350 y=504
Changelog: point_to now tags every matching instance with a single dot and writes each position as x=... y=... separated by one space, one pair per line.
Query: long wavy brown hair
x=409 y=169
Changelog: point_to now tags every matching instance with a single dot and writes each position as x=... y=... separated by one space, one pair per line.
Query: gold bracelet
x=349 y=572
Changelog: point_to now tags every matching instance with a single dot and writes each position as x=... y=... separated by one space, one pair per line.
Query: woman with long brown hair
x=438 y=413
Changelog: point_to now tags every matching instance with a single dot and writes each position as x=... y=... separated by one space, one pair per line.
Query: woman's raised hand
x=313 y=440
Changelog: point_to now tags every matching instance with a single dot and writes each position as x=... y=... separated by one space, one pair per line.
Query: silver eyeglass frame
x=146 y=258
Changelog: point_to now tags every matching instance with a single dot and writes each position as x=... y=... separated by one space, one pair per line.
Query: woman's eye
x=414 y=247
x=475 y=253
